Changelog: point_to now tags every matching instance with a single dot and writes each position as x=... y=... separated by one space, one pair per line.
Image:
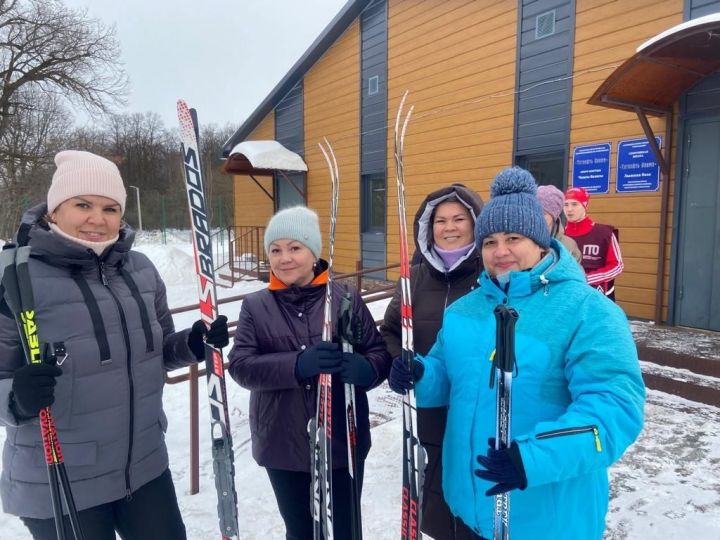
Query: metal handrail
x=242 y=239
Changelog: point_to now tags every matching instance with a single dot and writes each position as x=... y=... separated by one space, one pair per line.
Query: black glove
x=33 y=388
x=400 y=379
x=323 y=357
x=217 y=336
x=504 y=467
x=357 y=370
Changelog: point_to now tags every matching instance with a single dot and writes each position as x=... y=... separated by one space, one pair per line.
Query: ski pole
x=504 y=365
x=348 y=334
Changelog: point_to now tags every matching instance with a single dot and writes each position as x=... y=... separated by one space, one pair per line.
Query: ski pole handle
x=505 y=319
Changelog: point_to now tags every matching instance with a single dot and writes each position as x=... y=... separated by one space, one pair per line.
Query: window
x=374 y=208
x=545 y=24
x=286 y=193
x=548 y=169
x=373 y=85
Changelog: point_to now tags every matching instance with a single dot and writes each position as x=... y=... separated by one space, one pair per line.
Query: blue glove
x=401 y=379
x=323 y=357
x=504 y=467
x=357 y=370
x=217 y=336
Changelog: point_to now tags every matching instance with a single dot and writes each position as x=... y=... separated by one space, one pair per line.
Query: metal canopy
x=664 y=68
x=265 y=158
x=262 y=158
x=651 y=82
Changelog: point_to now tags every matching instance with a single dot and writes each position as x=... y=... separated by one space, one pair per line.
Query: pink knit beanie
x=551 y=199
x=83 y=173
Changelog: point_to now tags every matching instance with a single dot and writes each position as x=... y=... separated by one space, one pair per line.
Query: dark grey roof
x=332 y=32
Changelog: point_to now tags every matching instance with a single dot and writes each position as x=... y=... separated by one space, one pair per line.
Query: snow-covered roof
x=679 y=28
x=262 y=157
x=664 y=68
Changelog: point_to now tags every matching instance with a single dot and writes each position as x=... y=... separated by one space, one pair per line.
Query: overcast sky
x=222 y=56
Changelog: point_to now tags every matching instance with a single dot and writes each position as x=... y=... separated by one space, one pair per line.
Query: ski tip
x=187 y=128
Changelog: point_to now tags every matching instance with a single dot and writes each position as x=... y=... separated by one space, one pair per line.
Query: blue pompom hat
x=513 y=208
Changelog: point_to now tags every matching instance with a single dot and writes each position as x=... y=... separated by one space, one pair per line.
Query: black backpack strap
x=23 y=234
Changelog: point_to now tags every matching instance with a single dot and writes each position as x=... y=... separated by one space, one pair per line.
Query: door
x=697 y=287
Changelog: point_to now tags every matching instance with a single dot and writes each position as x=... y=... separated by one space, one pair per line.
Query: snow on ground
x=666 y=486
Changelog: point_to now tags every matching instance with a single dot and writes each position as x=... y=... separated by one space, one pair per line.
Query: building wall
x=332 y=110
x=606 y=34
x=252 y=205
x=457 y=58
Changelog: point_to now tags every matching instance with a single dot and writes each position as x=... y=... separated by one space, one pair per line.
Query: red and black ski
x=222 y=447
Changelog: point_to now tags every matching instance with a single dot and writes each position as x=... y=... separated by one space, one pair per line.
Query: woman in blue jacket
x=577 y=391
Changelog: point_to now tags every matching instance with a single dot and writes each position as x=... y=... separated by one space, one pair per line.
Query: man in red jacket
x=601 y=257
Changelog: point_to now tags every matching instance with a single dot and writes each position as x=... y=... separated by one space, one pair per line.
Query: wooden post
x=358 y=278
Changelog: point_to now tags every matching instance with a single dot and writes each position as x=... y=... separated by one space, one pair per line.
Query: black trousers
x=293 y=494
x=151 y=513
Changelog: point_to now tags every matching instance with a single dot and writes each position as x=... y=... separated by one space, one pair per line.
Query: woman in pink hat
x=552 y=199
x=107 y=338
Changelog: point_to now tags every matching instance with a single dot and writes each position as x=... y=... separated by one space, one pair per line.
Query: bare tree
x=50 y=56
x=218 y=185
x=30 y=139
x=61 y=51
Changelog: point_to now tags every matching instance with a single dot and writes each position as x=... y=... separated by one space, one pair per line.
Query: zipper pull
x=103 y=277
x=598 y=446
x=544 y=281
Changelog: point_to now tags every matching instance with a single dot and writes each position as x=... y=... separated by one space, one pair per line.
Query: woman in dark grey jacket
x=278 y=354
x=104 y=306
x=448 y=268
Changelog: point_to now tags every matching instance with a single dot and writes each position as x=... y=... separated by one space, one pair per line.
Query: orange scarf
x=277 y=285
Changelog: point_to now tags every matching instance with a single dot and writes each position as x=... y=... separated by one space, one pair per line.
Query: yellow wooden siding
x=331 y=102
x=457 y=59
x=252 y=205
x=607 y=34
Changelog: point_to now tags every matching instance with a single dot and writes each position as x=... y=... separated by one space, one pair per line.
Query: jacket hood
x=556 y=266
x=65 y=252
x=423 y=228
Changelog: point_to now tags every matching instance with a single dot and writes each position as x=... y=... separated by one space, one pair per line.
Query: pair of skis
x=320 y=427
x=414 y=455
x=18 y=293
x=222 y=446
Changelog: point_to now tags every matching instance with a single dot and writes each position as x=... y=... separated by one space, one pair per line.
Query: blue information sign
x=591 y=167
x=637 y=169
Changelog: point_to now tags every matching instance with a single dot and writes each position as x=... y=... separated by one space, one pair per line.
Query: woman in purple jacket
x=278 y=354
